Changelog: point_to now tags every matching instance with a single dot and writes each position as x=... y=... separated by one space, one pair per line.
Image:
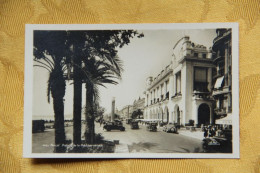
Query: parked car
x=170 y=128
x=217 y=145
x=38 y=125
x=161 y=123
x=128 y=120
x=117 y=125
x=134 y=125
x=152 y=127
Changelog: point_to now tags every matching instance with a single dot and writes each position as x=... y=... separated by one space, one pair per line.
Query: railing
x=221 y=90
x=220 y=111
x=217 y=58
x=222 y=35
x=162 y=97
x=201 y=95
x=176 y=95
x=163 y=73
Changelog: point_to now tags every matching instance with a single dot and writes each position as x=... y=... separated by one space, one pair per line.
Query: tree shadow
x=196 y=150
x=141 y=146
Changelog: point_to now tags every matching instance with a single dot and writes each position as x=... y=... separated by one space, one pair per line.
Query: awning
x=219 y=82
x=151 y=120
x=226 y=120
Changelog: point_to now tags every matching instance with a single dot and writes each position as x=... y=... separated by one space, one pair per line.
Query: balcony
x=217 y=59
x=177 y=95
x=162 y=97
x=220 y=111
x=222 y=34
x=197 y=95
x=222 y=90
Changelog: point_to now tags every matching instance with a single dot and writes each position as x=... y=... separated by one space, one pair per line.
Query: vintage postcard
x=131 y=91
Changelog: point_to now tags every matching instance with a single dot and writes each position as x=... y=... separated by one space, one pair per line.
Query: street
x=142 y=140
x=134 y=140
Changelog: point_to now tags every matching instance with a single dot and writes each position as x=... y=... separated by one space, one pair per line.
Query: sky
x=142 y=57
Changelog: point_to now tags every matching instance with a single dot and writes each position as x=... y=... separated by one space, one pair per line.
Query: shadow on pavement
x=141 y=146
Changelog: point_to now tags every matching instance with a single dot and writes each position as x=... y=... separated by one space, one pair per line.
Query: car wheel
x=108 y=129
x=205 y=147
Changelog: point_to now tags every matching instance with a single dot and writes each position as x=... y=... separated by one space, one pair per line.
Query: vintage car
x=216 y=145
x=152 y=127
x=134 y=125
x=161 y=123
x=170 y=128
x=128 y=120
x=116 y=125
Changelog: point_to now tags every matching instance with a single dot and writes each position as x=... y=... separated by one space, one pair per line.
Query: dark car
x=117 y=125
x=217 y=145
x=134 y=125
x=38 y=125
x=161 y=124
x=152 y=127
x=170 y=128
x=128 y=120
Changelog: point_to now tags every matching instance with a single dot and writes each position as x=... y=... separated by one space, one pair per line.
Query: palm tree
x=93 y=45
x=48 y=54
x=98 y=73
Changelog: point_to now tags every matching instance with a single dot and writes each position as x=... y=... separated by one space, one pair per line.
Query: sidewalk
x=121 y=148
x=194 y=134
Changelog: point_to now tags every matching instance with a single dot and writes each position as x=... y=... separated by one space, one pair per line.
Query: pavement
x=193 y=134
x=131 y=140
x=143 y=141
x=121 y=148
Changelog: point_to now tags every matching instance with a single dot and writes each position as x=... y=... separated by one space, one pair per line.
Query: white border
x=28 y=88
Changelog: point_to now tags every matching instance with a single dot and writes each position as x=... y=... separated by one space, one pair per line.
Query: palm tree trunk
x=77 y=101
x=59 y=124
x=58 y=91
x=89 y=113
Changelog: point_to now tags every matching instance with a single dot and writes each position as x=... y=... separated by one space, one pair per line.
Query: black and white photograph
x=131 y=91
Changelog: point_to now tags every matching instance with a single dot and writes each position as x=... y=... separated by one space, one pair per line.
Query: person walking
x=205 y=132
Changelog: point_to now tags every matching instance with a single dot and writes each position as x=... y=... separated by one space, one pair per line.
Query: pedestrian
x=205 y=133
x=202 y=127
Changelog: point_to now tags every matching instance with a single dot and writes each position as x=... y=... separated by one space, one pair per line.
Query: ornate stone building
x=139 y=104
x=182 y=90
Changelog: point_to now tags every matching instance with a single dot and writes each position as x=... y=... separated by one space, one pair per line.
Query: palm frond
x=44 y=64
x=42 y=67
x=49 y=88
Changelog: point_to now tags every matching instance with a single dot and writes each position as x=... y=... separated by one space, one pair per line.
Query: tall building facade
x=222 y=74
x=126 y=111
x=139 y=104
x=182 y=90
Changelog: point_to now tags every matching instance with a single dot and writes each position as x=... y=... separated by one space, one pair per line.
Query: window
x=178 y=83
x=195 y=54
x=166 y=86
x=204 y=56
x=200 y=79
x=221 y=68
